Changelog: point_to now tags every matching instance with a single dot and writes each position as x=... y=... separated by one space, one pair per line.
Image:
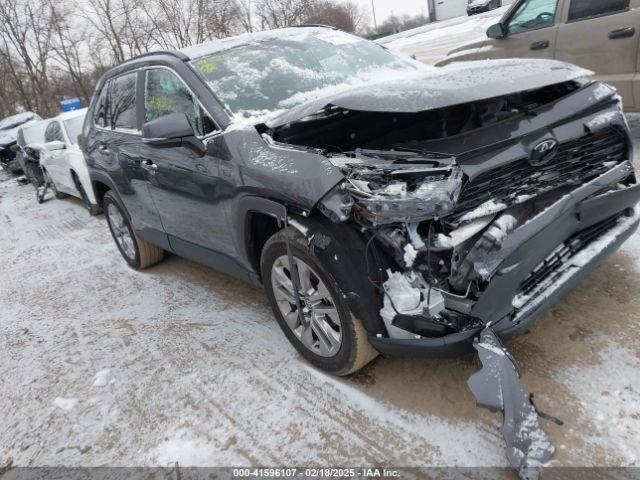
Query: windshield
x=16 y=120
x=34 y=134
x=74 y=128
x=279 y=73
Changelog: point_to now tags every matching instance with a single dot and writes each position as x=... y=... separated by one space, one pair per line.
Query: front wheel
x=323 y=330
x=138 y=253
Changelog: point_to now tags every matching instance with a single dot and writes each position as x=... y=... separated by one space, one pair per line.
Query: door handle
x=625 y=32
x=540 y=45
x=103 y=148
x=149 y=165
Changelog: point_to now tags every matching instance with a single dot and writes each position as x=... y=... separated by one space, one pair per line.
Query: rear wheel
x=138 y=253
x=324 y=330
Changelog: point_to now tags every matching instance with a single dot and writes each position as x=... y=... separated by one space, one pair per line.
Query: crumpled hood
x=440 y=87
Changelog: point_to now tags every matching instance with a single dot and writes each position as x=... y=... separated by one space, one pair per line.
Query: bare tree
x=67 y=44
x=179 y=23
x=282 y=13
x=394 y=24
x=50 y=49
x=25 y=45
x=245 y=14
x=105 y=16
x=343 y=15
x=8 y=93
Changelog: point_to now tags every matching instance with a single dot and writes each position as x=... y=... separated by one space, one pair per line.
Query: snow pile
x=65 y=404
x=101 y=378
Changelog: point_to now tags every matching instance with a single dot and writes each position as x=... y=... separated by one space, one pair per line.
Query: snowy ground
x=433 y=42
x=102 y=365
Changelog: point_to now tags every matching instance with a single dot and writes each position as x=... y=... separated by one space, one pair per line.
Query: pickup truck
x=599 y=35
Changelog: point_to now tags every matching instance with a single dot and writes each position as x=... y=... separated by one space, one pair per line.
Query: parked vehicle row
x=48 y=153
x=63 y=163
x=8 y=136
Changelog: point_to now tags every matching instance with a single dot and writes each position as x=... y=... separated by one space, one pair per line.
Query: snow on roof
x=291 y=33
x=72 y=114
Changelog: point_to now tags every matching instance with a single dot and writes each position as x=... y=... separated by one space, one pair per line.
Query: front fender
x=341 y=250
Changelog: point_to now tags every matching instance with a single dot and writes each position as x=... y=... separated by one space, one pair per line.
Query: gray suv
x=386 y=207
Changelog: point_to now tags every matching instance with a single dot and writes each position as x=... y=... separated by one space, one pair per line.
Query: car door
x=602 y=35
x=117 y=149
x=530 y=30
x=53 y=160
x=187 y=188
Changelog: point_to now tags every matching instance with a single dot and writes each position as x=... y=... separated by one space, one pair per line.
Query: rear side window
x=122 y=102
x=581 y=9
x=100 y=116
x=166 y=93
x=53 y=133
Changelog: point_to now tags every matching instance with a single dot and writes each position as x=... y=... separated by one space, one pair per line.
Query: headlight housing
x=406 y=195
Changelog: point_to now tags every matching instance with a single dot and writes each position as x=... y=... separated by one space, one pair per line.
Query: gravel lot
x=102 y=365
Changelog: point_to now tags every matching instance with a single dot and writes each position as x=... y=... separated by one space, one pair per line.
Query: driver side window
x=533 y=15
x=165 y=93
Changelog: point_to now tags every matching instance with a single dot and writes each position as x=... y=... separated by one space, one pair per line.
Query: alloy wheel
x=318 y=327
x=121 y=231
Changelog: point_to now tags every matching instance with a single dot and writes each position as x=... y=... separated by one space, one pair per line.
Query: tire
x=93 y=209
x=354 y=350
x=56 y=193
x=138 y=253
x=34 y=174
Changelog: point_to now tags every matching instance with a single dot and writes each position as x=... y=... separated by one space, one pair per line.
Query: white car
x=62 y=160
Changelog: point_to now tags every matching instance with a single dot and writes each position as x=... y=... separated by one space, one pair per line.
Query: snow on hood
x=422 y=90
x=9 y=136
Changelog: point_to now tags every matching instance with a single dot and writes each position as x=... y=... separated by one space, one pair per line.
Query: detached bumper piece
x=497 y=387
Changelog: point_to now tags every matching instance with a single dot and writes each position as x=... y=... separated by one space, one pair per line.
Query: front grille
x=551 y=268
x=575 y=163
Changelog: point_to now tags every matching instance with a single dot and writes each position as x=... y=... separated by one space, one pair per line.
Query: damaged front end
x=476 y=213
x=477 y=217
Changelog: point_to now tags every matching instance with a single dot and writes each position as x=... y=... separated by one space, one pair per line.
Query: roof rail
x=315 y=25
x=174 y=53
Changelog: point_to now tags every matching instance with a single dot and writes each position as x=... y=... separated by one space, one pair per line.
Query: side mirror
x=170 y=131
x=54 y=145
x=497 y=30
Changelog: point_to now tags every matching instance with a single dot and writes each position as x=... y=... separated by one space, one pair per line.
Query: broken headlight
x=406 y=193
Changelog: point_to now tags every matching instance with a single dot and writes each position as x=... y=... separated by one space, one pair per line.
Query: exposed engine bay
x=444 y=197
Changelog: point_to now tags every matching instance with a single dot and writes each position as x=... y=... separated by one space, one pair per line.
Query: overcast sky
x=384 y=8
